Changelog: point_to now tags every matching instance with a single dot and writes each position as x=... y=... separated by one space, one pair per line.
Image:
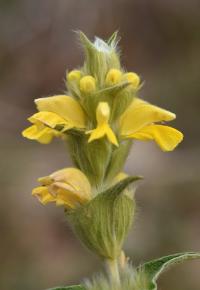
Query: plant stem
x=113 y=271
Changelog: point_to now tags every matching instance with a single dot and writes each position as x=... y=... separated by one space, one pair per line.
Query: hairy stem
x=113 y=271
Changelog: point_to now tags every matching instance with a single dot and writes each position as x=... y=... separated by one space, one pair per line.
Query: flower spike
x=97 y=197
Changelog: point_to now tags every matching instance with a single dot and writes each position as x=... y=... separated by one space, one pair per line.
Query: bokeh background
x=160 y=40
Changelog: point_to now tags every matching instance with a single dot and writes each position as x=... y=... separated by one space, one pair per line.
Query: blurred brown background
x=160 y=40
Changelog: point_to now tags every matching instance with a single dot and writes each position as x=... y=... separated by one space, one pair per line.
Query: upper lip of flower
x=140 y=114
x=138 y=122
x=64 y=106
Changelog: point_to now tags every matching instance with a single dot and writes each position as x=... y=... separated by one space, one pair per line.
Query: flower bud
x=74 y=75
x=87 y=84
x=133 y=78
x=113 y=77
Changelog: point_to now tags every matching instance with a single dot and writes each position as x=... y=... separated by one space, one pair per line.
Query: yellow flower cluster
x=60 y=113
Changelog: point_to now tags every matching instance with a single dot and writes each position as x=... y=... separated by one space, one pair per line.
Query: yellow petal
x=103 y=128
x=166 y=137
x=46 y=180
x=73 y=180
x=68 y=187
x=43 y=194
x=62 y=200
x=101 y=131
x=50 y=119
x=67 y=197
x=102 y=113
x=64 y=106
x=97 y=133
x=140 y=114
x=40 y=133
x=111 y=136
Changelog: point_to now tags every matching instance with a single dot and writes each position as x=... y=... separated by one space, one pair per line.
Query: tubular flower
x=54 y=112
x=103 y=128
x=138 y=122
x=68 y=187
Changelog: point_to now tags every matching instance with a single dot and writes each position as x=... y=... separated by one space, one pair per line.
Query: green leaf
x=154 y=268
x=75 y=287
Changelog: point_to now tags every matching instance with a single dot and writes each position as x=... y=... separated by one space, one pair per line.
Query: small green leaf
x=75 y=287
x=154 y=268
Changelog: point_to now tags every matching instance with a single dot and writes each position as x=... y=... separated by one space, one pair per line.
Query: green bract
x=103 y=223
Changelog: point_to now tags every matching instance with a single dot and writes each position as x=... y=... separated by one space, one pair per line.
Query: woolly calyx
x=103 y=223
x=100 y=56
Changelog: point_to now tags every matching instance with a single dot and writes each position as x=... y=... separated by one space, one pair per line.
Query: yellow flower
x=87 y=84
x=138 y=122
x=61 y=110
x=103 y=128
x=113 y=77
x=133 y=78
x=41 y=133
x=68 y=187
